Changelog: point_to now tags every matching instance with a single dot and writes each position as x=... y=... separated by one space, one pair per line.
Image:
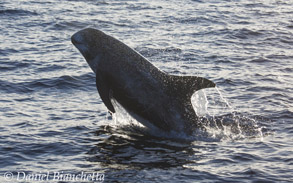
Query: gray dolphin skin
x=144 y=91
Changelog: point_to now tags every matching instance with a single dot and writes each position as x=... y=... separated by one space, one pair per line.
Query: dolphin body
x=144 y=91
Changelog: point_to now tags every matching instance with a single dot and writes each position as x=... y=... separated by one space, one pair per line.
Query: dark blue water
x=53 y=120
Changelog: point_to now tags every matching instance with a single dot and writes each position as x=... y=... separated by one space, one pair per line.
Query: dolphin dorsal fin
x=185 y=86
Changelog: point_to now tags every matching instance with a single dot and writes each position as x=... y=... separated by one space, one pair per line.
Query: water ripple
x=16 y=12
x=63 y=82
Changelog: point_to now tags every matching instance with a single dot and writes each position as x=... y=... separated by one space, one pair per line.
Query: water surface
x=53 y=120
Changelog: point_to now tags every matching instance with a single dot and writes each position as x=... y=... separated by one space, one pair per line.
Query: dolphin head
x=90 y=42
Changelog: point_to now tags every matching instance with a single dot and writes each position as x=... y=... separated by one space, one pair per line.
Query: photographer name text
x=54 y=176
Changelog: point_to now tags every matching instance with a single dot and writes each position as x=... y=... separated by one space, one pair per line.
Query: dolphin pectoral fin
x=187 y=85
x=105 y=93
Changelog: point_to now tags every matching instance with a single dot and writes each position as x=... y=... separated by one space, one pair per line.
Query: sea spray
x=220 y=119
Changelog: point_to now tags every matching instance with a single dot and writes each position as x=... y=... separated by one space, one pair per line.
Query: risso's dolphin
x=148 y=94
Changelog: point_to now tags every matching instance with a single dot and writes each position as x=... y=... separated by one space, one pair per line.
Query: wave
x=83 y=82
x=65 y=25
x=8 y=66
x=151 y=52
x=16 y=12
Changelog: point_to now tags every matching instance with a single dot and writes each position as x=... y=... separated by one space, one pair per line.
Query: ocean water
x=53 y=122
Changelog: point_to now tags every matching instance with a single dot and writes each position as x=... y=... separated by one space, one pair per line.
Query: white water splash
x=210 y=102
x=220 y=119
x=200 y=103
